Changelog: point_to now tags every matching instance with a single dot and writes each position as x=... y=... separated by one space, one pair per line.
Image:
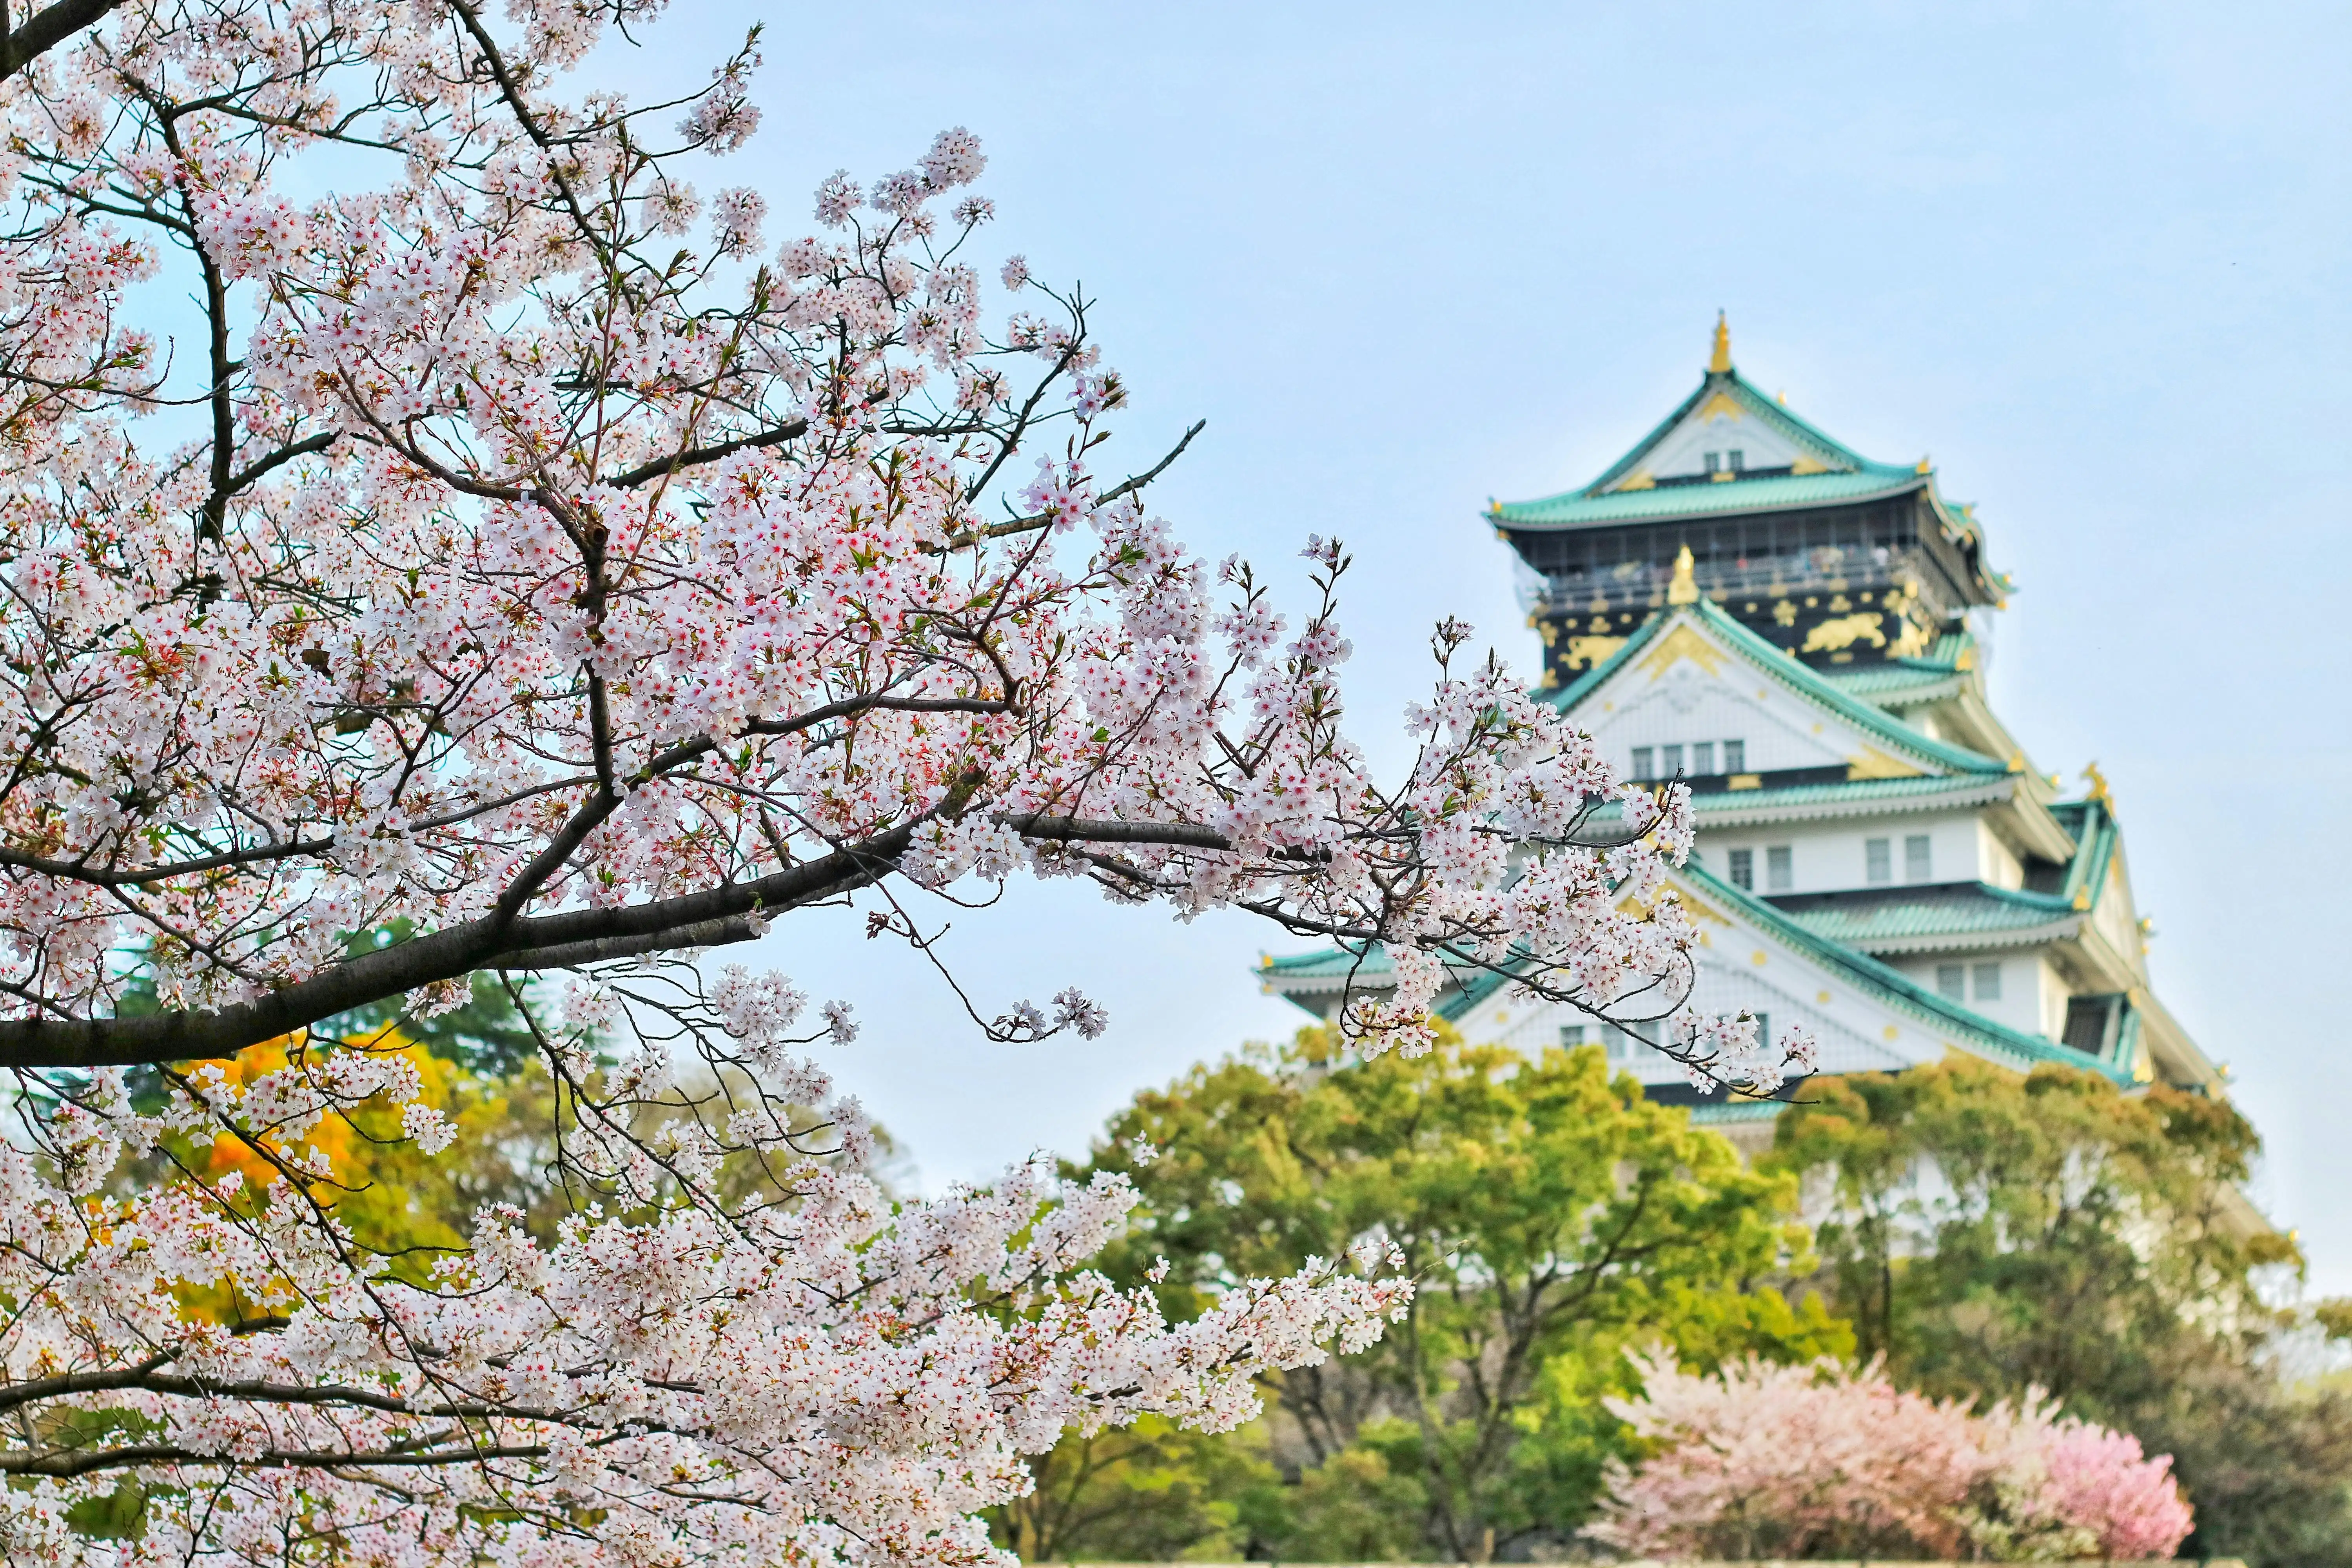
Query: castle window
x=1714 y=461
x=1571 y=1034
x=1987 y=979
x=2087 y=1024
x=1951 y=982
x=1738 y=462
x=1918 y=863
x=1779 y=868
x=1878 y=860
x=1735 y=756
x=1642 y=767
x=1670 y=760
x=1763 y=1027
x=1743 y=870
x=1702 y=759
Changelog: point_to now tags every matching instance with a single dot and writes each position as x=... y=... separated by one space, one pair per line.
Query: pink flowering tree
x=1765 y=1461
x=520 y=555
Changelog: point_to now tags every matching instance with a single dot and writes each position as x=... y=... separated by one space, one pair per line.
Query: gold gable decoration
x=1683 y=643
x=1590 y=652
x=1871 y=763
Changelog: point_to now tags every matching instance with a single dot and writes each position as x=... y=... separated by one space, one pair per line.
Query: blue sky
x=1401 y=259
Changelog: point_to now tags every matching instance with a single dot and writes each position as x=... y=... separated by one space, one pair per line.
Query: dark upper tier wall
x=1837 y=586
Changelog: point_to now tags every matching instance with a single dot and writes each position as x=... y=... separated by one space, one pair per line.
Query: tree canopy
x=1550 y=1216
x=1993 y=1235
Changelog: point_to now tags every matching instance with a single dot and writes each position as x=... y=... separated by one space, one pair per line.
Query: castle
x=1792 y=629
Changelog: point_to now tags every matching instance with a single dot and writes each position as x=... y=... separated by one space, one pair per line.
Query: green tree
x=1552 y=1215
x=1152 y=1492
x=1990 y=1233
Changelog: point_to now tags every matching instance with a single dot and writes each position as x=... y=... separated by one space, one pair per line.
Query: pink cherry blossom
x=511 y=562
x=1765 y=1461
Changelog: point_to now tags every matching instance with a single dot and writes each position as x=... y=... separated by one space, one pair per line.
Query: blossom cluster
x=528 y=563
x=1765 y=1461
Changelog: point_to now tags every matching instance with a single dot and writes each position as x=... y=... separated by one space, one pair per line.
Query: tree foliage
x=1551 y=1217
x=1993 y=1235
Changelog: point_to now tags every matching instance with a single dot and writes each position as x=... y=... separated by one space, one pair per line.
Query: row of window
x=1669 y=762
x=1779 y=868
x=1877 y=857
x=1717 y=464
x=1919 y=859
x=1952 y=980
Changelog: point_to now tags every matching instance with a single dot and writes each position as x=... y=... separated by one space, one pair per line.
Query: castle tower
x=1806 y=542
x=1744 y=605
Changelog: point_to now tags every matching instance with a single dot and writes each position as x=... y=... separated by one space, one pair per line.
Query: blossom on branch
x=519 y=566
x=1764 y=1461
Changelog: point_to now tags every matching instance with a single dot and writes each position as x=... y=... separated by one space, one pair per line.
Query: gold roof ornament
x=1684 y=589
x=2098 y=781
x=1925 y=465
x=1720 y=361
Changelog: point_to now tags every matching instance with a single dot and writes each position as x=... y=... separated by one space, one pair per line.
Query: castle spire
x=1721 y=359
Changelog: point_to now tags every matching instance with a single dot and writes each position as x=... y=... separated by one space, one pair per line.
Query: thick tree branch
x=47 y=28
x=732 y=913
x=695 y=456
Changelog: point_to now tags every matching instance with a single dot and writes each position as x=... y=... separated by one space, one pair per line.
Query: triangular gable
x=1727 y=426
x=1694 y=672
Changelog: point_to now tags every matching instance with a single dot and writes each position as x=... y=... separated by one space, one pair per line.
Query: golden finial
x=2098 y=783
x=1721 y=360
x=1684 y=589
x=1925 y=465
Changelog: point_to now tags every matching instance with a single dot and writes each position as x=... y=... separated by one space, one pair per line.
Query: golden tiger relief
x=1845 y=632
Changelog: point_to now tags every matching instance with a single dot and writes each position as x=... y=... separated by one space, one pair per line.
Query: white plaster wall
x=2032 y=999
x=1685 y=704
x=1830 y=856
x=2000 y=865
x=1683 y=449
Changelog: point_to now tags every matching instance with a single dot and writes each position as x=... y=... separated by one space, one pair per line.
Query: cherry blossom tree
x=1765 y=1461
x=523 y=560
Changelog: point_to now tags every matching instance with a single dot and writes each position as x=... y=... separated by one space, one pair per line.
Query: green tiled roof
x=1871 y=919
x=1927 y=790
x=1849 y=475
x=1898 y=676
x=1328 y=963
x=1774 y=492
x=2092 y=827
x=1928 y=784
x=1891 y=985
x=1899 y=989
x=1796 y=676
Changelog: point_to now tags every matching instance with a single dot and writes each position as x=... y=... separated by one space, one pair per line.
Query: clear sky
x=2092 y=257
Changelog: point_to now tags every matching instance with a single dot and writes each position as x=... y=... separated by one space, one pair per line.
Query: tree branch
x=47 y=28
